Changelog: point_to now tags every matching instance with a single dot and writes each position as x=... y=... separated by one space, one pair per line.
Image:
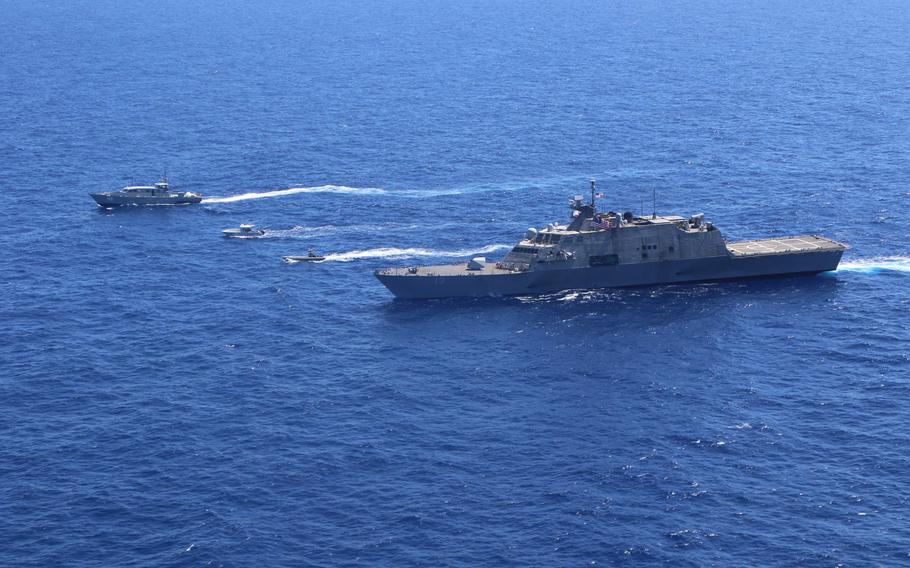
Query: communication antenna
x=654 y=204
x=592 y=193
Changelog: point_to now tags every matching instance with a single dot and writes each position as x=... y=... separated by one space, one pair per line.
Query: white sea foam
x=391 y=252
x=296 y=190
x=880 y=264
x=300 y=232
x=412 y=193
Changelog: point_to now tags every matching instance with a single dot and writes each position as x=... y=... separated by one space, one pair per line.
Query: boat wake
x=414 y=193
x=398 y=253
x=299 y=232
x=296 y=190
x=875 y=265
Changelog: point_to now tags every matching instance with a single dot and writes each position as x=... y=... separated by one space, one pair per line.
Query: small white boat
x=310 y=257
x=244 y=232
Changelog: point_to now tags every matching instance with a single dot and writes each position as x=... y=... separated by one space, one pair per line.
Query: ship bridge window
x=547 y=238
x=524 y=250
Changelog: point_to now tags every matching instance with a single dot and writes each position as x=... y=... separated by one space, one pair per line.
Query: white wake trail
x=409 y=193
x=393 y=253
x=300 y=232
x=880 y=264
x=296 y=190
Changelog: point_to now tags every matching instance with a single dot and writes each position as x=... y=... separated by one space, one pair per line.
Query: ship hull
x=545 y=281
x=108 y=200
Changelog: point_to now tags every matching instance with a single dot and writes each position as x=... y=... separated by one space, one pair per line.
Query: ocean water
x=169 y=397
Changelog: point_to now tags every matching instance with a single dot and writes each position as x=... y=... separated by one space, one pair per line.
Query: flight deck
x=784 y=245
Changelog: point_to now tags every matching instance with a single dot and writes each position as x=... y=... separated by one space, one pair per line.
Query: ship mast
x=593 y=206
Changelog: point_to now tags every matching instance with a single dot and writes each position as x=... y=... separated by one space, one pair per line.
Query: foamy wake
x=296 y=190
x=394 y=253
x=299 y=232
x=873 y=265
x=413 y=193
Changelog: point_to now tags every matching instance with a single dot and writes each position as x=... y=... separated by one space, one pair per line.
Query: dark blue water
x=169 y=397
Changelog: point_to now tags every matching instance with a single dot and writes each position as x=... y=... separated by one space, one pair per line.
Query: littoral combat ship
x=607 y=250
x=158 y=194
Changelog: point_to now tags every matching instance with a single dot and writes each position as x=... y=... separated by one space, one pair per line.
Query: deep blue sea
x=169 y=397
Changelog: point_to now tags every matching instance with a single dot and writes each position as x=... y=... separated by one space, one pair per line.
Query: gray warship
x=609 y=250
x=157 y=194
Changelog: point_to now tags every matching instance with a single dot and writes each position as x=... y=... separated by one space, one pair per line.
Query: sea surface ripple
x=169 y=397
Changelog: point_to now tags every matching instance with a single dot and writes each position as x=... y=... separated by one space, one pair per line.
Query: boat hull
x=304 y=258
x=244 y=234
x=111 y=200
x=495 y=282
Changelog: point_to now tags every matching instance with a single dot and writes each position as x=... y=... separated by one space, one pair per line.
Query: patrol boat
x=606 y=250
x=157 y=194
